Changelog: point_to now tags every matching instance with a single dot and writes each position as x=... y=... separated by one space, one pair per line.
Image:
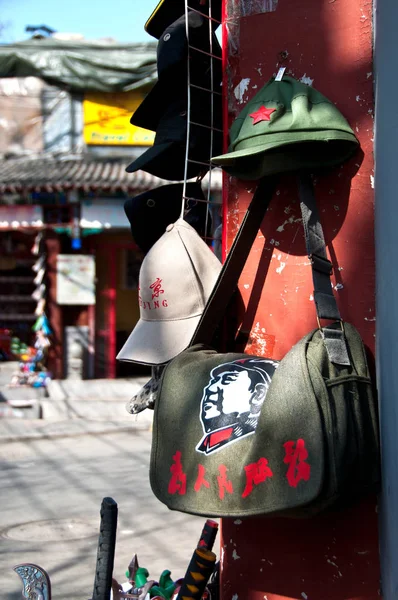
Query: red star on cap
x=262 y=114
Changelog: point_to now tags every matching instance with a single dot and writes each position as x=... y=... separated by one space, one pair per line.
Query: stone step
x=100 y=389
x=21 y=409
x=92 y=409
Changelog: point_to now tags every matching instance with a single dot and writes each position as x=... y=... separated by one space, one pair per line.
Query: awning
x=86 y=174
x=81 y=65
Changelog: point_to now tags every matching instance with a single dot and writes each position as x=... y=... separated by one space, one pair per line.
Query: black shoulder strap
x=234 y=263
x=325 y=302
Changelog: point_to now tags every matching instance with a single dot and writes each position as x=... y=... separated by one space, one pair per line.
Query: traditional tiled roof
x=21 y=175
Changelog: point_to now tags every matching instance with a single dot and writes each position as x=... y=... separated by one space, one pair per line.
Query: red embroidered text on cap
x=156 y=288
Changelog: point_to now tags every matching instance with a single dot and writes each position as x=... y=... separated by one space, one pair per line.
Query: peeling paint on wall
x=235 y=555
x=260 y=342
x=241 y=88
x=281 y=267
x=288 y=221
x=306 y=80
x=334 y=565
x=255 y=7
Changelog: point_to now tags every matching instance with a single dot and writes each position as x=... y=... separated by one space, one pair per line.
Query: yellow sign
x=107 y=120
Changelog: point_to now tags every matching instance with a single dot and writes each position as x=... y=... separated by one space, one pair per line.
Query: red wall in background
x=53 y=309
x=327 y=43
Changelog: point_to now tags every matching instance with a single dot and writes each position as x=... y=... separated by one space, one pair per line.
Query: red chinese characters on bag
x=201 y=479
x=256 y=473
x=295 y=457
x=178 y=481
x=224 y=484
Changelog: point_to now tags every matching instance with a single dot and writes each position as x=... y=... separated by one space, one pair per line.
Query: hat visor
x=157 y=342
x=149 y=112
x=150 y=159
x=167 y=161
x=154 y=106
x=318 y=149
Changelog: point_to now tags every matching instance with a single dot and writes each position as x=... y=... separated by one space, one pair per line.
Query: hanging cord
x=184 y=188
x=211 y=113
x=192 y=86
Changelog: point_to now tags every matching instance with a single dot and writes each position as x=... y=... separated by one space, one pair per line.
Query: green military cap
x=287 y=126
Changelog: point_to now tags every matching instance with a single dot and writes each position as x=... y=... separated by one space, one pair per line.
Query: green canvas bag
x=240 y=435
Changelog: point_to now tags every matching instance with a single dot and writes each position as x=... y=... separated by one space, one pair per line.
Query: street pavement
x=68 y=408
x=14 y=429
x=54 y=472
x=51 y=491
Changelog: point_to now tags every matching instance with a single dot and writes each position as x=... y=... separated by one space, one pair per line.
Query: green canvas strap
x=325 y=302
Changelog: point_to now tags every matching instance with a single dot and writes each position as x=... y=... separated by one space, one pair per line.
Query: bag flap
x=236 y=435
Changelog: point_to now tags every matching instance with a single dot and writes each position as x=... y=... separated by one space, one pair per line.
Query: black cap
x=166 y=158
x=168 y=11
x=164 y=109
x=151 y=212
x=172 y=61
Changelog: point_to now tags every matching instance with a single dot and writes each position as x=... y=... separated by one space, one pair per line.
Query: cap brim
x=149 y=158
x=166 y=161
x=279 y=157
x=229 y=157
x=157 y=342
x=151 y=109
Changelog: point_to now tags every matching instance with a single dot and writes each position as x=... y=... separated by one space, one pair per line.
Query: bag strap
x=325 y=302
x=233 y=266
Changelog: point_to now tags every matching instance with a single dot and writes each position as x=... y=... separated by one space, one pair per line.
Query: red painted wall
x=53 y=309
x=327 y=43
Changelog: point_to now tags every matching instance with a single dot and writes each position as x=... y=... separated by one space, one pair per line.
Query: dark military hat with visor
x=168 y=11
x=152 y=211
x=165 y=108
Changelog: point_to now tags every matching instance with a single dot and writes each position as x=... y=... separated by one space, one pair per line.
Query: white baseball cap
x=177 y=277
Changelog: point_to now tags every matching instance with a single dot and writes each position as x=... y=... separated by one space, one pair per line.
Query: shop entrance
x=116 y=311
x=17 y=307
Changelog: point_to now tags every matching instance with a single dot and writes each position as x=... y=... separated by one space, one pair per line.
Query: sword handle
x=198 y=573
x=106 y=550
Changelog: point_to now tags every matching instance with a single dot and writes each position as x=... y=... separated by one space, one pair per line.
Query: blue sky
x=123 y=20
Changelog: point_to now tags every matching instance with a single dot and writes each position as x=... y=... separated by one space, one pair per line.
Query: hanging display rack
x=207 y=166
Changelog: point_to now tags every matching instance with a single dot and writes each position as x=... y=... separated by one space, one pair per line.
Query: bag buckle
x=341 y=322
x=320 y=263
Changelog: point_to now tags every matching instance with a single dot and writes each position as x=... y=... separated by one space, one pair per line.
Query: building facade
x=63 y=183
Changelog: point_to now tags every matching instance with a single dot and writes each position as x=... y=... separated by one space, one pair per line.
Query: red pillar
x=327 y=43
x=53 y=309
